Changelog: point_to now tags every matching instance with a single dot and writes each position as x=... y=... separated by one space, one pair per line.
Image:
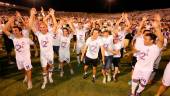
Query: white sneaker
x=29 y=86
x=61 y=74
x=108 y=78
x=43 y=85
x=104 y=80
x=50 y=79
x=71 y=71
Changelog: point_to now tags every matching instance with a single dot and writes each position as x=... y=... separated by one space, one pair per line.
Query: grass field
x=73 y=85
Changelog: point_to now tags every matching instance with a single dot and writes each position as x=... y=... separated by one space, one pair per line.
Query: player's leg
x=86 y=65
x=94 y=63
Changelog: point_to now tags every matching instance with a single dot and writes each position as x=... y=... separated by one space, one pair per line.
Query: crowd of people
x=96 y=41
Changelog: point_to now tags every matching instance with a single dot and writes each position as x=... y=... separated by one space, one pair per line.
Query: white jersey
x=56 y=37
x=116 y=46
x=45 y=41
x=121 y=36
x=22 y=52
x=22 y=47
x=93 y=47
x=64 y=50
x=106 y=41
x=65 y=43
x=80 y=34
x=146 y=57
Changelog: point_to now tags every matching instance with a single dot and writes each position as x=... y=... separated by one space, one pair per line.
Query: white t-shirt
x=65 y=44
x=45 y=41
x=106 y=41
x=56 y=37
x=146 y=57
x=22 y=47
x=93 y=47
x=80 y=34
x=116 y=46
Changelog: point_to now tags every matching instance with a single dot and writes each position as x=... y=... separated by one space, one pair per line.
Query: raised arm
x=128 y=25
x=7 y=26
x=32 y=18
x=52 y=14
x=156 y=24
x=141 y=25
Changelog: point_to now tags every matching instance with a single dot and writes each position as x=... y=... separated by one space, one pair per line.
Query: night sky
x=94 y=5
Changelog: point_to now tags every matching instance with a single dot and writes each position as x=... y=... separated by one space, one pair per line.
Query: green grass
x=72 y=85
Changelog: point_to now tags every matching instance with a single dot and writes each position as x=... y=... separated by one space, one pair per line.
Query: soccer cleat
x=84 y=76
x=29 y=86
x=50 y=79
x=93 y=79
x=61 y=74
x=71 y=71
x=114 y=79
x=104 y=80
x=130 y=82
x=43 y=85
x=137 y=94
x=109 y=78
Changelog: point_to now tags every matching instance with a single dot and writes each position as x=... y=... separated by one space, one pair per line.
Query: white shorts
x=46 y=59
x=166 y=76
x=143 y=76
x=24 y=64
x=64 y=56
x=157 y=61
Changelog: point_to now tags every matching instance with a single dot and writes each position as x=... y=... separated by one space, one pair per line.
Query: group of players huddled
x=95 y=41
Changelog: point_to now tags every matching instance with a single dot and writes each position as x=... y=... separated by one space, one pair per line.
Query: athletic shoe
x=130 y=82
x=84 y=76
x=61 y=74
x=71 y=71
x=93 y=79
x=104 y=80
x=109 y=78
x=29 y=86
x=43 y=85
x=50 y=79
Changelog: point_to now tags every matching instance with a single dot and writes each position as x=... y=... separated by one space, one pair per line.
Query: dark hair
x=19 y=28
x=95 y=29
x=65 y=28
x=152 y=36
x=147 y=31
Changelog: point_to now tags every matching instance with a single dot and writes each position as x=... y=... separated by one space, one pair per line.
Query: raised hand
x=33 y=11
x=52 y=11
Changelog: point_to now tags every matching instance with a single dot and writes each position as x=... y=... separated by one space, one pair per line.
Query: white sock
x=140 y=89
x=134 y=86
x=45 y=77
x=78 y=59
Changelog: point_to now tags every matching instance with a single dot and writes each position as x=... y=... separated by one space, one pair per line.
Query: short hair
x=19 y=28
x=152 y=36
